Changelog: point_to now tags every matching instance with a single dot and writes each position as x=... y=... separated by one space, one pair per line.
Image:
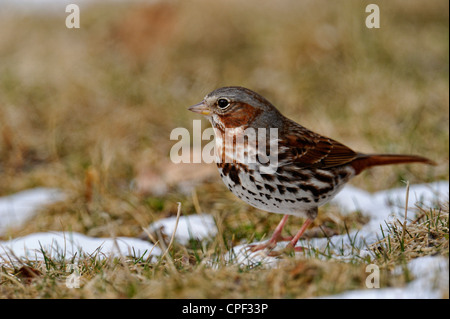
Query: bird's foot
x=271 y=244
x=267 y=245
x=297 y=249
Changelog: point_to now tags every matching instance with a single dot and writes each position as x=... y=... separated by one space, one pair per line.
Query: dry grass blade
x=406 y=211
x=428 y=235
x=172 y=238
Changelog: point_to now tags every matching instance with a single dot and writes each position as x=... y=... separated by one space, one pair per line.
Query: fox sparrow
x=304 y=169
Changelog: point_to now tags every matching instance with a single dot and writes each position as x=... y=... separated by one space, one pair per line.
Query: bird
x=303 y=171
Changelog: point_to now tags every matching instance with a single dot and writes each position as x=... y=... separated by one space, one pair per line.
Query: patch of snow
x=62 y=245
x=16 y=209
x=189 y=227
x=431 y=282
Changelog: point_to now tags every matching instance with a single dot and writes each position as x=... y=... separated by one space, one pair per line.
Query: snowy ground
x=16 y=209
x=380 y=207
x=431 y=281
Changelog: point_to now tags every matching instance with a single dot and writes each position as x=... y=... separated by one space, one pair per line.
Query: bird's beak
x=200 y=108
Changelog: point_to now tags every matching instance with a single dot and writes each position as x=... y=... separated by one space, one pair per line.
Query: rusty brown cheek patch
x=240 y=116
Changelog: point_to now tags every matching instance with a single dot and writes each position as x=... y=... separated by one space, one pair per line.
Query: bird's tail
x=365 y=161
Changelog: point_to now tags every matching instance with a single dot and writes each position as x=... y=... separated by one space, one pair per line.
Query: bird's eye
x=223 y=103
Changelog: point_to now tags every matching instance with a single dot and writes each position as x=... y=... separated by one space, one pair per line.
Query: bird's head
x=237 y=107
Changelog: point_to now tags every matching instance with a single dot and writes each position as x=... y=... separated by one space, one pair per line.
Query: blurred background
x=90 y=110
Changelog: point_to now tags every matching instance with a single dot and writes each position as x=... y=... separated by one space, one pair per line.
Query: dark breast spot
x=268 y=177
x=303 y=199
x=281 y=189
x=284 y=179
x=300 y=176
x=314 y=190
x=292 y=189
x=323 y=177
x=226 y=167
x=234 y=175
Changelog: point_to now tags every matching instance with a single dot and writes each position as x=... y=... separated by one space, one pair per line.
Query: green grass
x=90 y=111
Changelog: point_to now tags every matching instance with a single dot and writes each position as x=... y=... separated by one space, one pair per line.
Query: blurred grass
x=100 y=100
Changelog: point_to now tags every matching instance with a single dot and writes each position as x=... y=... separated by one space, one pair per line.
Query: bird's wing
x=305 y=148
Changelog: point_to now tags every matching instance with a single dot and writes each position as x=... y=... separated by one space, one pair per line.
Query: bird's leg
x=276 y=237
x=299 y=234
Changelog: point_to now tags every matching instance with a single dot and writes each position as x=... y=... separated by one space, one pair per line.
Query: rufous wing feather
x=309 y=149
